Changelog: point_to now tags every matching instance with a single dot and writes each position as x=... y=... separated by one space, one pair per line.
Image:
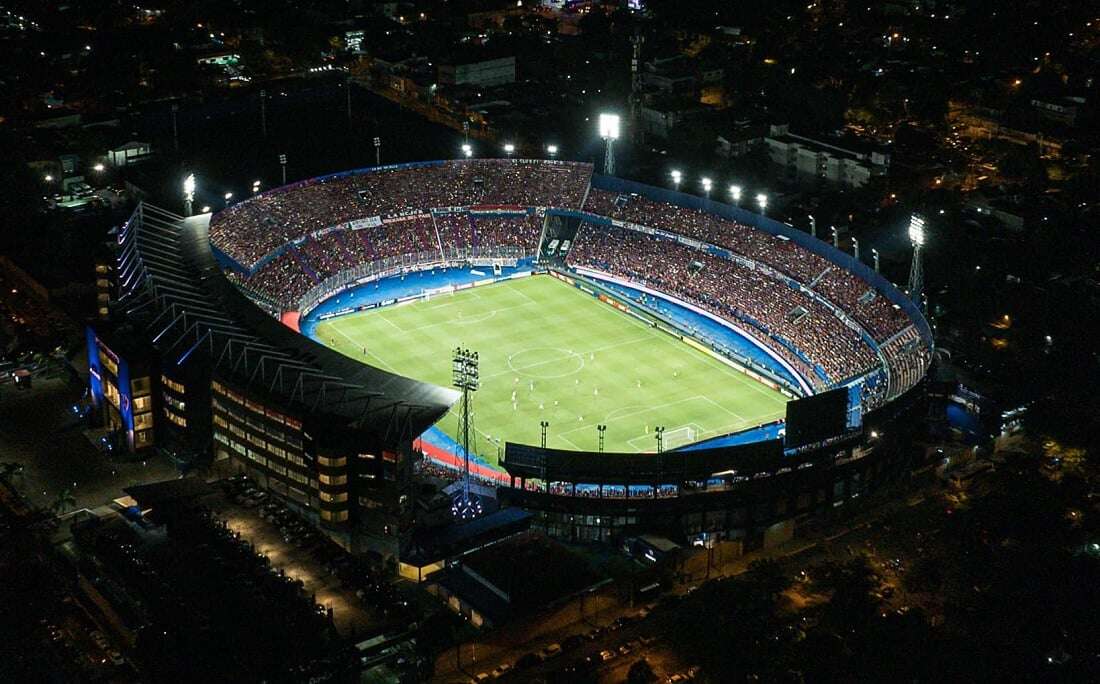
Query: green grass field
x=566 y=358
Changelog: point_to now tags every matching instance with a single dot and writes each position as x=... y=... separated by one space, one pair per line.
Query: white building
x=829 y=161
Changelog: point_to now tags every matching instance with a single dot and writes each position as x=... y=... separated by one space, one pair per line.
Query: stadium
x=647 y=358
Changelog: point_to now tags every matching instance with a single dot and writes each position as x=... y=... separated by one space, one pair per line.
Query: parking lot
x=361 y=602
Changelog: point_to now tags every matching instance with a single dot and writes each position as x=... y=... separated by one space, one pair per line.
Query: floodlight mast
x=188 y=193
x=466 y=377
x=609 y=131
x=917 y=236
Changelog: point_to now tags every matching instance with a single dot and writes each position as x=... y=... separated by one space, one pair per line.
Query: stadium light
x=468 y=151
x=609 y=131
x=552 y=150
x=206 y=209
x=762 y=202
x=228 y=196
x=874 y=256
x=609 y=126
x=99 y=168
x=916 y=230
x=48 y=178
x=255 y=186
x=735 y=193
x=188 y=193
x=509 y=148
x=677 y=176
x=707 y=184
x=813 y=225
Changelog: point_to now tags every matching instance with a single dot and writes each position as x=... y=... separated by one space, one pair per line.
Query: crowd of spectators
x=729 y=290
x=847 y=291
x=258 y=226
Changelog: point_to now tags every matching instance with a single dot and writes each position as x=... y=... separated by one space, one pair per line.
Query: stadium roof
x=557 y=465
x=168 y=277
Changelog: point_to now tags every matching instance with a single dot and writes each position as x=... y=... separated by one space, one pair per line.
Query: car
x=551 y=651
x=607 y=655
x=501 y=670
x=625 y=649
x=678 y=677
x=482 y=677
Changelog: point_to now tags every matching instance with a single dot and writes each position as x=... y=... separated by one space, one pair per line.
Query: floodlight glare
x=189 y=186
x=707 y=184
x=916 y=230
x=676 y=175
x=98 y=167
x=609 y=126
x=735 y=192
x=762 y=200
x=48 y=178
x=228 y=195
x=509 y=148
x=467 y=150
x=206 y=209
x=552 y=150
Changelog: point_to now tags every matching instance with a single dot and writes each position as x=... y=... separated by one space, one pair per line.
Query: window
x=143 y=421
x=332 y=462
x=171 y=384
x=333 y=479
x=143 y=438
x=334 y=498
x=334 y=516
x=140 y=385
x=142 y=404
x=220 y=422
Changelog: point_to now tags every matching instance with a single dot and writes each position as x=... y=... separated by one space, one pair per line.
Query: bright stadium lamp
x=762 y=202
x=609 y=126
x=98 y=167
x=552 y=150
x=509 y=148
x=609 y=131
x=188 y=193
x=916 y=230
x=228 y=196
x=677 y=176
x=468 y=151
x=735 y=193
x=48 y=178
x=707 y=185
x=206 y=209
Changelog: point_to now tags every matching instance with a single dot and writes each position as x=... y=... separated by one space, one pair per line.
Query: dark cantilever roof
x=553 y=465
x=169 y=278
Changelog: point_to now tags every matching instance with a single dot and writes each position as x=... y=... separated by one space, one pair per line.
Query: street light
x=762 y=202
x=609 y=132
x=552 y=150
x=707 y=185
x=468 y=151
x=735 y=193
x=188 y=193
x=677 y=176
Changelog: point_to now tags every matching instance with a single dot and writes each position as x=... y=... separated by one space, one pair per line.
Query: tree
x=64 y=501
x=640 y=673
x=8 y=469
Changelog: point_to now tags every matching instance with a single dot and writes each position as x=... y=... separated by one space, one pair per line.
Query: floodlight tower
x=609 y=131
x=466 y=377
x=188 y=193
x=707 y=185
x=677 y=176
x=916 y=270
x=735 y=194
x=762 y=202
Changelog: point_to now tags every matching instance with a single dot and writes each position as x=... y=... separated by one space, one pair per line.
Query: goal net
x=681 y=436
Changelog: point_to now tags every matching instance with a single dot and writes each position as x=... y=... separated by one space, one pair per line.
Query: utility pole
x=175 y=128
x=263 y=112
x=347 y=87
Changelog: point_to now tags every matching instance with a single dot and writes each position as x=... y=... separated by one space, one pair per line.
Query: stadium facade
x=219 y=300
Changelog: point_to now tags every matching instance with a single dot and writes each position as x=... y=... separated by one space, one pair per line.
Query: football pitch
x=549 y=351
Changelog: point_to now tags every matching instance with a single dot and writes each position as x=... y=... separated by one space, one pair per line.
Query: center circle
x=545 y=363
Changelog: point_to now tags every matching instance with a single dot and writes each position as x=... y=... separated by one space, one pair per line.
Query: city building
x=836 y=162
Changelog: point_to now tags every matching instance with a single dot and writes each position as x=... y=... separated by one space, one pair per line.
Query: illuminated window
x=333 y=479
x=143 y=421
x=333 y=498
x=141 y=385
x=332 y=462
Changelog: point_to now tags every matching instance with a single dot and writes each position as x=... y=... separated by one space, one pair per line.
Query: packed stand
x=730 y=291
x=849 y=292
x=258 y=226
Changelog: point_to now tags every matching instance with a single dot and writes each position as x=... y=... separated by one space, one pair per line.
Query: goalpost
x=681 y=436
